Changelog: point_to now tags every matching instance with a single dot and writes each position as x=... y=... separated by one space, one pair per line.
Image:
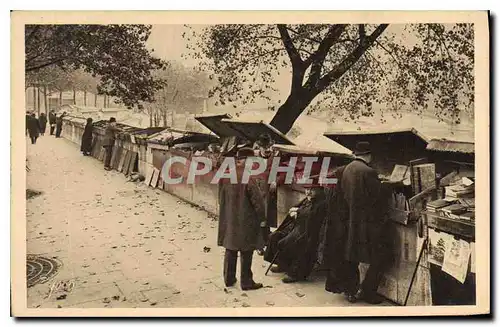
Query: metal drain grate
x=39 y=269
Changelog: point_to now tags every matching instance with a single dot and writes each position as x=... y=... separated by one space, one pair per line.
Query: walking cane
x=415 y=271
x=272 y=262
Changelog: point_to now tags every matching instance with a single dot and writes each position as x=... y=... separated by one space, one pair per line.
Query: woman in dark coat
x=33 y=128
x=42 y=120
x=86 y=147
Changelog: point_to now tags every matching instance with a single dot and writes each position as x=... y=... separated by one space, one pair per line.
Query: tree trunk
x=85 y=98
x=60 y=98
x=104 y=101
x=74 y=97
x=95 y=100
x=164 y=117
x=150 y=117
x=45 y=99
x=34 y=98
x=291 y=109
x=38 y=101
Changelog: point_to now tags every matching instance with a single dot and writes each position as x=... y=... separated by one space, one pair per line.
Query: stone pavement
x=122 y=244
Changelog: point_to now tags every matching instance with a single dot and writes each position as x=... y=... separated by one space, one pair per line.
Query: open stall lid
x=349 y=139
x=293 y=149
x=445 y=145
x=216 y=125
x=251 y=130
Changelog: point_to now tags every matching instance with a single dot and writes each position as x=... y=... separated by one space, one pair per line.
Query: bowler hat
x=315 y=182
x=245 y=152
x=362 y=148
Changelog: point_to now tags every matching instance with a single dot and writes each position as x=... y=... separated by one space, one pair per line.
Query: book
x=459 y=191
x=454 y=209
x=448 y=179
x=467 y=181
x=398 y=173
x=426 y=176
x=468 y=215
x=456 y=259
x=468 y=202
x=438 y=204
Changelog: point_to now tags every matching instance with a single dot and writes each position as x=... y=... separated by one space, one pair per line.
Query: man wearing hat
x=241 y=224
x=293 y=247
x=366 y=218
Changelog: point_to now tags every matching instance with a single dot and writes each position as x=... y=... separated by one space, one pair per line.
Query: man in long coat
x=109 y=141
x=42 y=120
x=241 y=224
x=360 y=230
x=294 y=245
x=33 y=128
x=52 y=121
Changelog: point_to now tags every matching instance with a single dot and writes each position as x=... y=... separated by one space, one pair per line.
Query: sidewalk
x=125 y=245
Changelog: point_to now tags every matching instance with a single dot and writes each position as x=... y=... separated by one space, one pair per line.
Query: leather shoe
x=352 y=298
x=362 y=296
x=230 y=283
x=253 y=286
x=288 y=280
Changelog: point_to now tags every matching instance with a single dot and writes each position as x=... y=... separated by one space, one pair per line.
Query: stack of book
x=450 y=208
x=434 y=206
x=463 y=189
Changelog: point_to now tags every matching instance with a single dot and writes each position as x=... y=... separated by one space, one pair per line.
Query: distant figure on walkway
x=241 y=223
x=42 y=120
x=86 y=147
x=52 y=121
x=109 y=141
x=33 y=128
x=28 y=115
x=59 y=123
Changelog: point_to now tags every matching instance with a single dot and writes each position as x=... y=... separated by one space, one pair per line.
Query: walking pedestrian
x=52 y=121
x=33 y=128
x=241 y=224
x=109 y=141
x=42 y=120
x=86 y=147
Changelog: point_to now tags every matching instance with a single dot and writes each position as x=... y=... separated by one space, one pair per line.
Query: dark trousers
x=344 y=277
x=52 y=129
x=58 y=131
x=230 y=260
x=108 y=154
x=374 y=276
x=33 y=139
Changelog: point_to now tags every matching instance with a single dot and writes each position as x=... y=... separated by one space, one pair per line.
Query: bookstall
x=450 y=222
x=431 y=187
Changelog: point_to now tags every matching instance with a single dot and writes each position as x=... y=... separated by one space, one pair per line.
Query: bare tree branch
x=350 y=59
x=290 y=48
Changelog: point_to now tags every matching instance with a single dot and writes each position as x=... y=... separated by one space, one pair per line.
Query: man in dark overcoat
x=33 y=128
x=52 y=121
x=364 y=225
x=109 y=141
x=42 y=120
x=241 y=223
